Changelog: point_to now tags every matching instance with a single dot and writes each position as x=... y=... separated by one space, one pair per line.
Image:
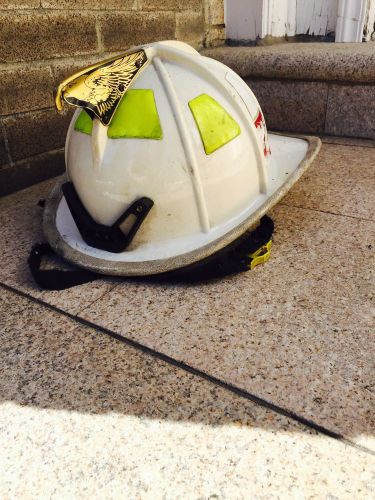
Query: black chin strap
x=245 y=253
x=241 y=255
x=55 y=279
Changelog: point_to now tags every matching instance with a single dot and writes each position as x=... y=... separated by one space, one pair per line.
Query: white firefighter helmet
x=168 y=161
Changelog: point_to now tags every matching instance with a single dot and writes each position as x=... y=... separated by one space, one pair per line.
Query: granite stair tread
x=344 y=62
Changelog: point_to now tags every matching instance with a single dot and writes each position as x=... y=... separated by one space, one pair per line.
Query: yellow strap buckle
x=261 y=255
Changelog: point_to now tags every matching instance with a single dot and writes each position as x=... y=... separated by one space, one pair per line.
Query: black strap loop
x=233 y=259
x=55 y=279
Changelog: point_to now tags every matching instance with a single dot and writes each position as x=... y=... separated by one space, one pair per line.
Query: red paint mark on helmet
x=259 y=120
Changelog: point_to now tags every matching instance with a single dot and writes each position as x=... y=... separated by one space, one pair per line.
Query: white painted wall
x=298 y=17
x=316 y=17
x=370 y=21
x=350 y=20
x=252 y=19
x=281 y=17
x=244 y=19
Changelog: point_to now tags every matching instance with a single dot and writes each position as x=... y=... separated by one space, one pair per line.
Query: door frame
x=249 y=20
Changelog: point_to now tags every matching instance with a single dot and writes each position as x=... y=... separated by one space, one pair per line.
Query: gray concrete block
x=172 y=5
x=351 y=111
x=4 y=157
x=354 y=62
x=190 y=27
x=30 y=171
x=25 y=89
x=89 y=4
x=121 y=31
x=33 y=133
x=292 y=106
x=30 y=37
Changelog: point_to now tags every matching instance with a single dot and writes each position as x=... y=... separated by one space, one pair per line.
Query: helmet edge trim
x=149 y=267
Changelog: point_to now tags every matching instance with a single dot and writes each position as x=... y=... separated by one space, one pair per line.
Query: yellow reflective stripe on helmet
x=216 y=126
x=83 y=123
x=136 y=117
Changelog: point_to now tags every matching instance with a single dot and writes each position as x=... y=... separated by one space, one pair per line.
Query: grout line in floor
x=348 y=145
x=283 y=204
x=354 y=145
x=194 y=371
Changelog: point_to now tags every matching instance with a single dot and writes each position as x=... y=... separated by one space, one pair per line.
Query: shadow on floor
x=48 y=362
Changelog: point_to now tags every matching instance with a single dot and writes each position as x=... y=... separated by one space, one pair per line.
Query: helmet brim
x=291 y=157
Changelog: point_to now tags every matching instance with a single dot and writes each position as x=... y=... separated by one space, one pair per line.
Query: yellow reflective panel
x=83 y=123
x=215 y=125
x=136 y=117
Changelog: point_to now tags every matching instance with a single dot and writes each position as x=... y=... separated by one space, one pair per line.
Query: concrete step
x=317 y=88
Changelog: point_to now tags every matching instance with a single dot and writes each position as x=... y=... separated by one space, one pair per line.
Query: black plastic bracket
x=109 y=238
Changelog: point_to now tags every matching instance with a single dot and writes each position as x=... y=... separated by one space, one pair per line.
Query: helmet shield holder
x=208 y=190
x=109 y=238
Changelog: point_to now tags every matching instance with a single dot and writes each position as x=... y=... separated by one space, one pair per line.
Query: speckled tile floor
x=85 y=415
x=21 y=228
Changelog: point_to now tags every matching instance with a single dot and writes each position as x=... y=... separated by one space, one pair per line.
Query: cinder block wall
x=43 y=41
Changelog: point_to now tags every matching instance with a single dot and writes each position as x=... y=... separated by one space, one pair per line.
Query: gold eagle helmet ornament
x=100 y=87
